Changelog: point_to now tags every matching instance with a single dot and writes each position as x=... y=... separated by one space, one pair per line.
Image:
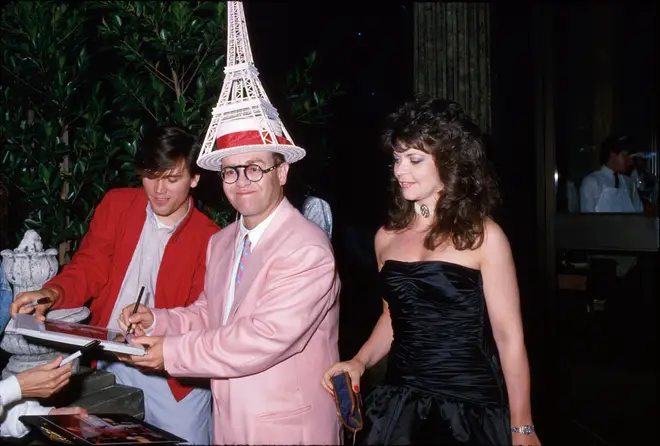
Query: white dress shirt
x=599 y=194
x=10 y=399
x=145 y=264
x=254 y=235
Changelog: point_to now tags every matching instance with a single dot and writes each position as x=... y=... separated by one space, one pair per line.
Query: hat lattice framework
x=244 y=119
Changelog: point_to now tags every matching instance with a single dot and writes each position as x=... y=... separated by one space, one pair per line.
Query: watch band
x=527 y=429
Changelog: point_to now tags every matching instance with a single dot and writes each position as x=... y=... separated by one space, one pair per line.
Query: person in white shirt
x=609 y=189
x=38 y=382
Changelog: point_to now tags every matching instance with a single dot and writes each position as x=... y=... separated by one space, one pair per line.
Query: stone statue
x=28 y=268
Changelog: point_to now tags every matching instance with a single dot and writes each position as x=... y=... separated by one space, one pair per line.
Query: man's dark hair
x=163 y=148
x=615 y=144
x=442 y=128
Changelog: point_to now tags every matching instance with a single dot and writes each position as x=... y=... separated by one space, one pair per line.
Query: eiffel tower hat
x=244 y=120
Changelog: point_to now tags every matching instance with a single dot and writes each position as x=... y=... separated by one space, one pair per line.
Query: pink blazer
x=267 y=361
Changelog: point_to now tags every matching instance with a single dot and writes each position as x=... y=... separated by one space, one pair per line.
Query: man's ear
x=282 y=173
x=194 y=181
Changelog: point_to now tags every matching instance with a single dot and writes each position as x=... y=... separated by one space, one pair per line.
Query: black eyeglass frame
x=244 y=167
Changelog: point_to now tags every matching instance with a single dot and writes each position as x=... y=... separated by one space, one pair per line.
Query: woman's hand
x=355 y=369
x=44 y=380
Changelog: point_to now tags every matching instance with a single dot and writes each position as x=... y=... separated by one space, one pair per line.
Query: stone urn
x=28 y=267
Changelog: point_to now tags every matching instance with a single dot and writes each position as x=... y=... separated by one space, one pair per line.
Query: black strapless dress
x=443 y=384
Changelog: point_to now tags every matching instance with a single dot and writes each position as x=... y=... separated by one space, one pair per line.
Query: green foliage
x=57 y=159
x=95 y=74
x=171 y=59
x=309 y=101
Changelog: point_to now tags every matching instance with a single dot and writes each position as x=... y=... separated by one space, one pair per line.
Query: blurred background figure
x=318 y=211
x=610 y=189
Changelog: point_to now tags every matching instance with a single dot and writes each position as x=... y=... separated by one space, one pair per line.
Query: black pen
x=135 y=308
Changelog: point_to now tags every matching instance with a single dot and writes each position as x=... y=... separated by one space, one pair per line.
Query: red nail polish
x=356 y=388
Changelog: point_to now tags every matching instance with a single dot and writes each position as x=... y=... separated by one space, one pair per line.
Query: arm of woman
x=379 y=342
x=503 y=303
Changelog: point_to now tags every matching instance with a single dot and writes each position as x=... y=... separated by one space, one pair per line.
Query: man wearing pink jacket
x=265 y=328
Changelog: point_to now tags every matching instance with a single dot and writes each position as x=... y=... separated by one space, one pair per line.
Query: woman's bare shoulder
x=496 y=243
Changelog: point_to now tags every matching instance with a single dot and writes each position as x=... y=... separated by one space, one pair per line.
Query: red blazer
x=96 y=271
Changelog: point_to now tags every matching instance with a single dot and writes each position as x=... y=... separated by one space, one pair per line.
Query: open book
x=72 y=334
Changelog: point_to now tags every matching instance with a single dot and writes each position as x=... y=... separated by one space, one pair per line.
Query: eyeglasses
x=252 y=172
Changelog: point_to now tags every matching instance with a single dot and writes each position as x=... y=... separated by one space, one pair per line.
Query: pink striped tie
x=247 y=246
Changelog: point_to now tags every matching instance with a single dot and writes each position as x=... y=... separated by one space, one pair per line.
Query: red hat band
x=247 y=138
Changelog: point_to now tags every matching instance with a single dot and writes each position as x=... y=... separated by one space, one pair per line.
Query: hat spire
x=243 y=120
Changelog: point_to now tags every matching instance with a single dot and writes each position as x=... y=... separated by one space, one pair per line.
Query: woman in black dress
x=447 y=277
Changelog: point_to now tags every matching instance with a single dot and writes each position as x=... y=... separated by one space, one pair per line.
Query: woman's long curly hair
x=470 y=195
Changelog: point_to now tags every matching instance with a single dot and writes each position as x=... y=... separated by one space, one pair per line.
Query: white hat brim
x=213 y=160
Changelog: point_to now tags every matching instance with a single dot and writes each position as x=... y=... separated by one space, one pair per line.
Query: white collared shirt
x=145 y=264
x=254 y=235
x=599 y=194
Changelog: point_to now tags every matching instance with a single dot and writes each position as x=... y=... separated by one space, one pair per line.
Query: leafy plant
x=309 y=101
x=171 y=58
x=57 y=160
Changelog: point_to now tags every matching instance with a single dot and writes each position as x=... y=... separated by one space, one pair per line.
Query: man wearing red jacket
x=151 y=237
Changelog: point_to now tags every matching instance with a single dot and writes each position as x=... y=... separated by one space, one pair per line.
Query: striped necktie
x=247 y=247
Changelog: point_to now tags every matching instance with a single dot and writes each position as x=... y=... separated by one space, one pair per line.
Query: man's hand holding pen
x=136 y=322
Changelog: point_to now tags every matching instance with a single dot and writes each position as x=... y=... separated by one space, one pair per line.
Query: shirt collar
x=160 y=224
x=606 y=170
x=256 y=232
